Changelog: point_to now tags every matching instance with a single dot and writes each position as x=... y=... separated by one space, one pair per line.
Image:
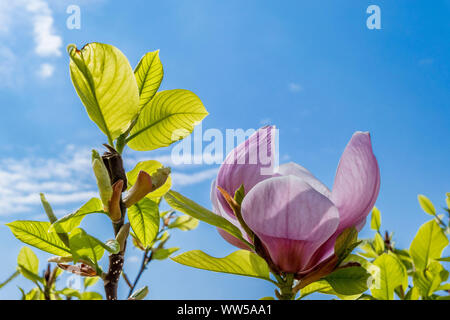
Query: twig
x=145 y=261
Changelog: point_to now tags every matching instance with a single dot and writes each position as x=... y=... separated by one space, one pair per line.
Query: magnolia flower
x=294 y=215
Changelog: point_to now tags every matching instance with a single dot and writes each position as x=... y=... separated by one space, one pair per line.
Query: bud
x=160 y=177
x=115 y=213
x=139 y=294
x=122 y=235
x=103 y=181
x=79 y=269
x=139 y=190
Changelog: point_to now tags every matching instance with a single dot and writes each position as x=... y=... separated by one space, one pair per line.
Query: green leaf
x=170 y=116
x=35 y=233
x=184 y=223
x=69 y=292
x=149 y=74
x=321 y=286
x=90 y=281
x=378 y=243
x=426 y=205
x=369 y=250
x=149 y=166
x=105 y=83
x=391 y=275
x=10 y=278
x=189 y=207
x=349 y=281
x=28 y=260
x=161 y=254
x=85 y=247
x=345 y=243
x=428 y=281
x=139 y=294
x=241 y=262
x=73 y=220
x=375 y=222
x=90 y=295
x=239 y=194
x=28 y=264
x=412 y=294
x=144 y=219
x=427 y=245
x=33 y=294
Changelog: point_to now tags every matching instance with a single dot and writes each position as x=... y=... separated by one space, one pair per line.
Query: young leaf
x=241 y=262
x=391 y=275
x=170 y=116
x=378 y=243
x=90 y=281
x=105 y=83
x=35 y=233
x=428 y=281
x=73 y=220
x=149 y=74
x=139 y=294
x=426 y=205
x=144 y=219
x=161 y=254
x=346 y=242
x=375 y=222
x=90 y=295
x=85 y=247
x=28 y=264
x=427 y=245
x=149 y=166
x=349 y=281
x=184 y=223
x=189 y=207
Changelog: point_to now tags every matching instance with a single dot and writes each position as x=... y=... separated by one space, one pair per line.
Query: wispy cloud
x=20 y=19
x=66 y=179
x=295 y=87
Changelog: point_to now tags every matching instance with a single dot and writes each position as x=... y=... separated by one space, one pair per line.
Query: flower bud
x=103 y=180
x=139 y=190
x=115 y=213
x=159 y=177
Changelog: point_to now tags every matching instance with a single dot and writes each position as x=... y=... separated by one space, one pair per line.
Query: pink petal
x=297 y=170
x=291 y=218
x=357 y=182
x=248 y=164
x=218 y=209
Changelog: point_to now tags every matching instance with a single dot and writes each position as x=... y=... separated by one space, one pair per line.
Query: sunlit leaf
x=90 y=281
x=426 y=205
x=189 y=207
x=428 y=281
x=170 y=116
x=375 y=221
x=28 y=264
x=391 y=275
x=105 y=83
x=241 y=262
x=378 y=243
x=149 y=74
x=144 y=219
x=73 y=220
x=85 y=247
x=184 y=223
x=139 y=294
x=35 y=233
x=427 y=245
x=161 y=254
x=90 y=295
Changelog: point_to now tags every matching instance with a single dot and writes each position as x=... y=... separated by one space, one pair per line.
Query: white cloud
x=48 y=43
x=46 y=70
x=66 y=179
x=295 y=87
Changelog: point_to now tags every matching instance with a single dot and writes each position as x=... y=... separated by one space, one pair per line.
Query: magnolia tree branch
x=114 y=164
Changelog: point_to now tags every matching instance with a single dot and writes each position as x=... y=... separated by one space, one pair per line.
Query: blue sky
x=312 y=68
